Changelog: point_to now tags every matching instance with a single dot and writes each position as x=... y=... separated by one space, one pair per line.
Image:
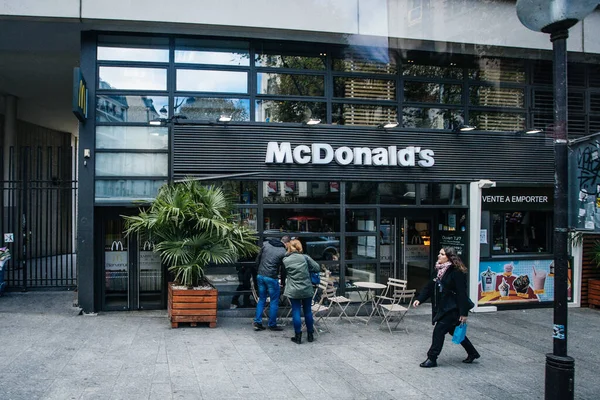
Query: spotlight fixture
x=312 y=121
x=388 y=125
x=534 y=130
x=165 y=121
x=224 y=118
x=463 y=128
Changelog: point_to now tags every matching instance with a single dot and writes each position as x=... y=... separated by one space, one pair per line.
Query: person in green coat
x=298 y=287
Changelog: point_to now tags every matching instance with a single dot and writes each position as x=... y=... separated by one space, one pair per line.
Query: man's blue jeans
x=308 y=317
x=267 y=287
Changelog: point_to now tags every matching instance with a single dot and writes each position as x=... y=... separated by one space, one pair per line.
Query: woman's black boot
x=311 y=338
x=297 y=338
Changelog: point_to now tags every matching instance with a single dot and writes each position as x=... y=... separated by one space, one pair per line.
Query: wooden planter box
x=594 y=292
x=193 y=306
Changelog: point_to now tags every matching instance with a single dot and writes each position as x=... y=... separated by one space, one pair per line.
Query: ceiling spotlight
x=390 y=125
x=463 y=128
x=534 y=130
x=224 y=118
x=313 y=121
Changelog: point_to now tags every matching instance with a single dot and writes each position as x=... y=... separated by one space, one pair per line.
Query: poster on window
x=289 y=187
x=334 y=187
x=516 y=281
x=148 y=258
x=116 y=258
x=272 y=188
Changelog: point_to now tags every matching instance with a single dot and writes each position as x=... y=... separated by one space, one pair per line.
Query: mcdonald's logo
x=80 y=95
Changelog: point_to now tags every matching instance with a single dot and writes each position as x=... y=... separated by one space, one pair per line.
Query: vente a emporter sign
x=323 y=153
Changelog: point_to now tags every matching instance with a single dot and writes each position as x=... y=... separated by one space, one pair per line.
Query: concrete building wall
x=493 y=22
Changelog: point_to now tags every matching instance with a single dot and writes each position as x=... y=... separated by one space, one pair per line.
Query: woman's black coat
x=447 y=295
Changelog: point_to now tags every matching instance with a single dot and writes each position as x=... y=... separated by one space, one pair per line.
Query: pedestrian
x=450 y=304
x=245 y=274
x=269 y=262
x=299 y=288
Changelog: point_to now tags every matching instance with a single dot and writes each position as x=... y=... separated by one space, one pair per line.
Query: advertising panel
x=516 y=281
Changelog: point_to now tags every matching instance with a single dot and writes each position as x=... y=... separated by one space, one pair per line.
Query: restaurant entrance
x=132 y=275
x=405 y=246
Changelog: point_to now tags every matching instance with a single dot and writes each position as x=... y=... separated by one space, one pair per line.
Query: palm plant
x=193 y=226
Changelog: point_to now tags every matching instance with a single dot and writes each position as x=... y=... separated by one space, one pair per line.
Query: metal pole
x=560 y=368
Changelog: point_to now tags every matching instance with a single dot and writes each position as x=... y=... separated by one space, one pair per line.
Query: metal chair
x=395 y=308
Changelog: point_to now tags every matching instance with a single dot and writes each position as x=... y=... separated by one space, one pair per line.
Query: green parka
x=297 y=283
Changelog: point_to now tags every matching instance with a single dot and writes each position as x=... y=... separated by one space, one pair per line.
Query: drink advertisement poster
x=516 y=281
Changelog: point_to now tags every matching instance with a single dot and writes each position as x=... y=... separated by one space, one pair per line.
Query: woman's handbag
x=315 y=277
x=459 y=333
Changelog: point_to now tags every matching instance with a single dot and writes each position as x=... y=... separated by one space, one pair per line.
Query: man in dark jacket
x=269 y=262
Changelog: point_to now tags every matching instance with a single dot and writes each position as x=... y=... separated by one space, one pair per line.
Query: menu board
x=458 y=240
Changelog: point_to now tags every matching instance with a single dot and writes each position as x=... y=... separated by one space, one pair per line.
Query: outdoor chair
x=393 y=285
x=395 y=308
x=334 y=300
x=319 y=308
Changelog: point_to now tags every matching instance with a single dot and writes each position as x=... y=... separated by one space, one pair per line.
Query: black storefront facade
x=368 y=202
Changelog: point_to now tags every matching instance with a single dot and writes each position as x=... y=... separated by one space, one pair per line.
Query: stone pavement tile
x=160 y=391
x=246 y=384
x=65 y=388
x=178 y=394
x=278 y=383
x=161 y=373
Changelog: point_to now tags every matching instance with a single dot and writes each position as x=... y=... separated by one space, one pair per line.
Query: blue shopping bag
x=459 y=333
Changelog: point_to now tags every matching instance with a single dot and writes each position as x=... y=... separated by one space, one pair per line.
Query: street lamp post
x=556 y=17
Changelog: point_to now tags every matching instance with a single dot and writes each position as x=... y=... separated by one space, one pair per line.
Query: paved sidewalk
x=48 y=351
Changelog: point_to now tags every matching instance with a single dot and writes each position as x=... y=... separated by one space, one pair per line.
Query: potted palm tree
x=193 y=226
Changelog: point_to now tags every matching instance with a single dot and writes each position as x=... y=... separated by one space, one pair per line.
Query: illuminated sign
x=80 y=95
x=323 y=153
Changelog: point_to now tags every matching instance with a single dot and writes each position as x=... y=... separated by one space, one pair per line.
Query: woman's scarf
x=441 y=268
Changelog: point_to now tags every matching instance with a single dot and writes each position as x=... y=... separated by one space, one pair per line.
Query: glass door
x=405 y=248
x=132 y=274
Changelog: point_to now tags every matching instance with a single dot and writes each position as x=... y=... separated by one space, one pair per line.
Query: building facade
x=340 y=124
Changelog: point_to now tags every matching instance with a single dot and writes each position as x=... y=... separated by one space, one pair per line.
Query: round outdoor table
x=370 y=287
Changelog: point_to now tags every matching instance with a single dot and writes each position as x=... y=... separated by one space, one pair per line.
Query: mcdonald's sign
x=80 y=95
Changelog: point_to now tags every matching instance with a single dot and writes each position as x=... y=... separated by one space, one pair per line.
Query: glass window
x=361 y=247
x=132 y=137
x=211 y=108
x=497 y=121
x=429 y=92
x=132 y=78
x=194 y=80
x=521 y=232
x=496 y=97
x=290 y=61
x=241 y=192
x=206 y=51
x=430 y=118
x=415 y=68
x=247 y=218
x=374 y=60
x=289 y=111
x=363 y=114
x=397 y=193
x=118 y=108
x=361 y=220
x=132 y=54
x=361 y=88
x=290 y=84
x=132 y=164
x=302 y=220
x=361 y=192
x=360 y=272
x=321 y=248
x=127 y=189
x=499 y=70
x=300 y=192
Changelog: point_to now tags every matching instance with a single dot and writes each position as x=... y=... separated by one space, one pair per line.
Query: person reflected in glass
x=299 y=288
x=450 y=304
x=269 y=262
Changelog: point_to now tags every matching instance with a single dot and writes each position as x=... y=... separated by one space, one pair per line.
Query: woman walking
x=450 y=304
x=299 y=288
